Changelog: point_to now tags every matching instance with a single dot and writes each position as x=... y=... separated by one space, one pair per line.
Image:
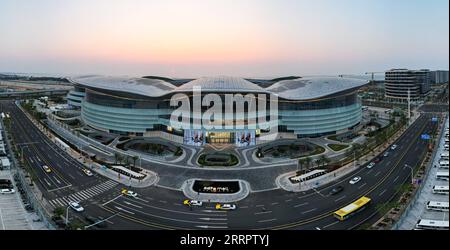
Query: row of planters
x=292 y=151
x=151 y=148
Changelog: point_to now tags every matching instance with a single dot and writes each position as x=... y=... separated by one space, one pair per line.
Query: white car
x=7 y=191
x=355 y=180
x=193 y=203
x=371 y=165
x=76 y=206
x=225 y=207
x=129 y=193
x=87 y=172
x=394 y=146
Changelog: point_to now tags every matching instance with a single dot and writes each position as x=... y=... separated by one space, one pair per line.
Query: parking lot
x=13 y=215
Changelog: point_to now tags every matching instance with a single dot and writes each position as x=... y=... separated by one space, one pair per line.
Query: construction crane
x=372 y=73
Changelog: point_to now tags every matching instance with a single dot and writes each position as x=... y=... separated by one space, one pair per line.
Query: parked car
x=87 y=172
x=386 y=154
x=7 y=191
x=193 y=203
x=336 y=190
x=129 y=193
x=370 y=165
x=225 y=206
x=355 y=180
x=76 y=206
x=393 y=147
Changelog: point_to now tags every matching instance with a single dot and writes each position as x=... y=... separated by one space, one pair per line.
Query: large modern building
x=439 y=76
x=307 y=107
x=398 y=82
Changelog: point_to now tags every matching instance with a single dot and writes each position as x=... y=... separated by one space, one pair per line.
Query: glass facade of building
x=129 y=113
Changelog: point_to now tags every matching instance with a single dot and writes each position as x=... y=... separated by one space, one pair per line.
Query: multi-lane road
x=160 y=208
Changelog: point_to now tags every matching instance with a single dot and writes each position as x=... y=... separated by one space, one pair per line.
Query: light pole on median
x=67 y=215
x=412 y=173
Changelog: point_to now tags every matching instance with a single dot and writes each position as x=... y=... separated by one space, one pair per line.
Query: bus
x=432 y=224
x=443 y=164
x=351 y=209
x=442 y=176
x=440 y=190
x=437 y=206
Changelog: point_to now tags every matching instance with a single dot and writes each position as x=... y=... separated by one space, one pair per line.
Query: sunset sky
x=251 y=38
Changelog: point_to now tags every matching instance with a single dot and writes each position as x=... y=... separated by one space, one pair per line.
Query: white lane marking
x=177 y=204
x=121 y=209
x=262 y=221
x=48 y=183
x=173 y=219
x=379 y=172
x=162 y=201
x=112 y=200
x=340 y=198
x=382 y=192
x=209 y=219
x=131 y=204
x=329 y=225
x=365 y=183
x=274 y=203
x=303 y=204
x=368 y=172
x=309 y=211
x=244 y=207
x=396 y=178
x=259 y=206
x=265 y=212
x=288 y=200
x=213 y=227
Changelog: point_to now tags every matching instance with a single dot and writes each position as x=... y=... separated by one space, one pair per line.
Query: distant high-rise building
x=439 y=76
x=399 y=81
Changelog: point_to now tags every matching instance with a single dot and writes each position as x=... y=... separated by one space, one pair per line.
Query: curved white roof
x=299 y=89
x=313 y=87
x=221 y=84
x=135 y=85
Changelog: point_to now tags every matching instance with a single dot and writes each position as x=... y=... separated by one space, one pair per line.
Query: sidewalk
x=189 y=192
x=13 y=215
x=418 y=209
x=150 y=179
x=283 y=181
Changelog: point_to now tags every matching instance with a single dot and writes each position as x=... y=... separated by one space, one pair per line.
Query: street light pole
x=67 y=215
x=412 y=173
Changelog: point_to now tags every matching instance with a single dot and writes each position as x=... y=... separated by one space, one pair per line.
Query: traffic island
x=215 y=190
x=215 y=159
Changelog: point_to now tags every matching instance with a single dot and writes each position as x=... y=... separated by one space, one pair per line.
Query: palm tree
x=324 y=160
x=135 y=158
x=308 y=162
x=301 y=164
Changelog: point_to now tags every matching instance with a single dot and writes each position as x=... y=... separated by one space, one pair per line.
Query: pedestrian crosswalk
x=83 y=194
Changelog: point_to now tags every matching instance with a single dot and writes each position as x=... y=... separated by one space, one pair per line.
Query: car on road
x=193 y=203
x=87 y=172
x=7 y=191
x=225 y=206
x=46 y=169
x=355 y=180
x=336 y=190
x=386 y=154
x=371 y=165
x=129 y=193
x=76 y=206
x=393 y=147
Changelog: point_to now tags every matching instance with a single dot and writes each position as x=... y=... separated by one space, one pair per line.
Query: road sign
x=434 y=119
x=425 y=137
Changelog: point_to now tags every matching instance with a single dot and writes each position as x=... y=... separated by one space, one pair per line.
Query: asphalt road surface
x=160 y=208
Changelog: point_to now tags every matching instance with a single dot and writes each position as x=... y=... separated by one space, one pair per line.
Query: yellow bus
x=352 y=208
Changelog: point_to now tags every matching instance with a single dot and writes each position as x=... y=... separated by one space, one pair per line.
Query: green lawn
x=337 y=147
